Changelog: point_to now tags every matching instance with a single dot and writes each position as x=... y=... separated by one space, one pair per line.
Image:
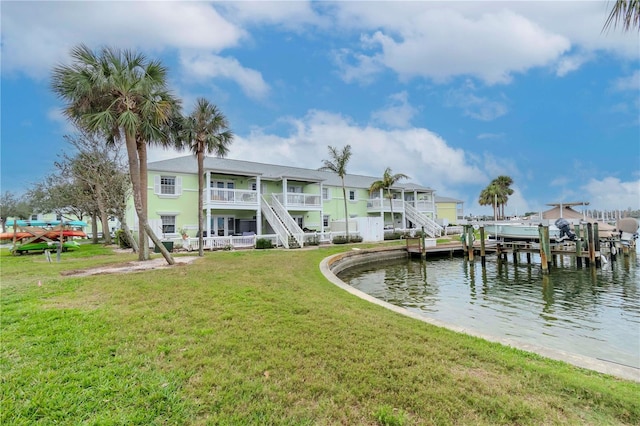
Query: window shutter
x=178 y=185
x=156 y=184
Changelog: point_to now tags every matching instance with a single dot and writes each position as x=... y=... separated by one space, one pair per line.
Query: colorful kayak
x=42 y=246
x=50 y=234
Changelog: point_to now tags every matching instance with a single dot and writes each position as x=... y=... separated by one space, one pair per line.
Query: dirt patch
x=128 y=267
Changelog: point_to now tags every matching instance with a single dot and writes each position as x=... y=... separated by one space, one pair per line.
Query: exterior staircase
x=431 y=228
x=282 y=223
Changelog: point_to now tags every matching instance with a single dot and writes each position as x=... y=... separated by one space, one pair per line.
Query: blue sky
x=452 y=94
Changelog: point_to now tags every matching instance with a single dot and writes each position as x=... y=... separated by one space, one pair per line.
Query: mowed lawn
x=260 y=337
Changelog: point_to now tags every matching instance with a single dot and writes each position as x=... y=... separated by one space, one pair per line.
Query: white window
x=325 y=193
x=325 y=220
x=253 y=186
x=58 y=217
x=167 y=185
x=168 y=224
x=34 y=217
x=352 y=195
x=295 y=189
x=299 y=220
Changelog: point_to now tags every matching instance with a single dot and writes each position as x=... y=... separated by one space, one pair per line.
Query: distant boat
x=519 y=231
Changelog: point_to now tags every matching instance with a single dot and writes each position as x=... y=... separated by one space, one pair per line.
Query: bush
x=263 y=243
x=355 y=238
x=393 y=236
x=313 y=240
x=339 y=239
x=122 y=240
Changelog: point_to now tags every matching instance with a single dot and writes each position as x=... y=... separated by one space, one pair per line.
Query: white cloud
x=36 y=36
x=475 y=106
x=570 y=63
x=612 y=193
x=398 y=113
x=439 y=43
x=417 y=152
x=205 y=67
x=630 y=83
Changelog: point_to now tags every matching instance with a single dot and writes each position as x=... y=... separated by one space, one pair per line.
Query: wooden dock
x=588 y=249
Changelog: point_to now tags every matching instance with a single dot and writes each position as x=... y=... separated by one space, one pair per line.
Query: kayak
x=50 y=234
x=42 y=246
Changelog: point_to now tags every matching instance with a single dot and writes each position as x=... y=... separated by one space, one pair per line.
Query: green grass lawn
x=260 y=338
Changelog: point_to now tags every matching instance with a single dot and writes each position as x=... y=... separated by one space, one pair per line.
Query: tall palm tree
x=338 y=165
x=387 y=181
x=627 y=11
x=120 y=92
x=489 y=197
x=205 y=131
x=503 y=183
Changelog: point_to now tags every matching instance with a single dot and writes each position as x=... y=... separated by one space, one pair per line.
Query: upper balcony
x=232 y=198
x=299 y=201
x=376 y=205
x=423 y=206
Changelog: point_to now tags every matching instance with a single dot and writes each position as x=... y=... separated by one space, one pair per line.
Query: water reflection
x=593 y=312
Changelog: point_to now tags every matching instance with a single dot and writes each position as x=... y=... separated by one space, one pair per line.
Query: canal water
x=587 y=311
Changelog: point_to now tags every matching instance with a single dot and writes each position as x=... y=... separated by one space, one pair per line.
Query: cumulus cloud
x=474 y=106
x=398 y=112
x=205 y=67
x=630 y=83
x=36 y=38
x=439 y=43
x=417 y=152
x=612 y=193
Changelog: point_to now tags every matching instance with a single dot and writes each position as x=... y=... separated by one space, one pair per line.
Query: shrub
x=339 y=239
x=355 y=238
x=263 y=243
x=313 y=240
x=393 y=236
x=122 y=240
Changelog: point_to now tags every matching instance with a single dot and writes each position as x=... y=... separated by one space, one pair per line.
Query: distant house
x=449 y=210
x=243 y=197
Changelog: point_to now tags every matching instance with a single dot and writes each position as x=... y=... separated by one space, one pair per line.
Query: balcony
x=237 y=198
x=300 y=201
x=423 y=206
x=383 y=205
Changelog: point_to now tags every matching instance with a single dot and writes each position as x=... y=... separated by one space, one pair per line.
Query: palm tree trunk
x=134 y=173
x=200 y=156
x=393 y=221
x=143 y=195
x=346 y=215
x=141 y=147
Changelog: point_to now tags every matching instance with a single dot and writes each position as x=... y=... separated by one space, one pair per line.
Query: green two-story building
x=249 y=198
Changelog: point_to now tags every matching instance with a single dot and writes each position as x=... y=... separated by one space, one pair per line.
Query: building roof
x=440 y=199
x=188 y=164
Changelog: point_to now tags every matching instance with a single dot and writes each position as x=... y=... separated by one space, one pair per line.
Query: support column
x=259 y=211
x=284 y=194
x=321 y=212
x=404 y=220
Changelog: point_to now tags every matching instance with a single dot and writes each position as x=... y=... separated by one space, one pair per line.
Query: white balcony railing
x=423 y=206
x=377 y=204
x=233 y=196
x=300 y=200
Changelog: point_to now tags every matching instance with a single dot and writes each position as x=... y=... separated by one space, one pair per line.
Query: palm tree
x=497 y=194
x=503 y=183
x=489 y=196
x=120 y=92
x=627 y=11
x=338 y=165
x=388 y=180
x=205 y=131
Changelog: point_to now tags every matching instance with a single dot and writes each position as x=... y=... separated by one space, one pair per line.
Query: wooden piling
x=482 y=247
x=543 y=232
x=578 y=246
x=470 y=236
x=592 y=245
x=596 y=245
